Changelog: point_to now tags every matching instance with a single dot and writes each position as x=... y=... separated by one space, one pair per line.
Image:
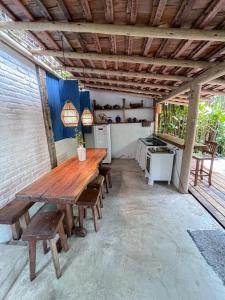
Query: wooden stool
x=16 y=214
x=208 y=154
x=44 y=226
x=98 y=184
x=106 y=172
x=90 y=198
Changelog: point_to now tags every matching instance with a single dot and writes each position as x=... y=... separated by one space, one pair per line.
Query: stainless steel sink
x=160 y=150
x=153 y=142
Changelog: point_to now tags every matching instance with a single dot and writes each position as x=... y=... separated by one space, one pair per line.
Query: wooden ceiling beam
x=126 y=59
x=204 y=91
x=128 y=83
x=122 y=89
x=124 y=30
x=119 y=73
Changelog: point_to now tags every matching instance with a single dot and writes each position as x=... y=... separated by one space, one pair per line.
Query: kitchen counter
x=179 y=143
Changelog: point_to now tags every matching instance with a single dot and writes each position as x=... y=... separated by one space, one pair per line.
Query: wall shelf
x=126 y=108
x=125 y=111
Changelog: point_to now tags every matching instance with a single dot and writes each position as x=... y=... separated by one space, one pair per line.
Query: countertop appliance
x=102 y=139
x=159 y=164
x=142 y=148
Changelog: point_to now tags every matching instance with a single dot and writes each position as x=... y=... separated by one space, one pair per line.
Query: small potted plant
x=81 y=151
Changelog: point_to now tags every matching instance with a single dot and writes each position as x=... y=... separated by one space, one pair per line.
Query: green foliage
x=211 y=121
x=79 y=137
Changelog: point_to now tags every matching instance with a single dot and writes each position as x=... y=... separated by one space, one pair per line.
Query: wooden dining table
x=64 y=184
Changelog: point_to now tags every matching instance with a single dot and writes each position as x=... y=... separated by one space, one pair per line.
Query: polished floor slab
x=142 y=250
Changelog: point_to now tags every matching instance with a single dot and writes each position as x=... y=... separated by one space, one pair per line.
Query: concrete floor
x=142 y=250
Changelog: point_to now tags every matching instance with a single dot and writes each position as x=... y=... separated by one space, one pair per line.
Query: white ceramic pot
x=81 y=152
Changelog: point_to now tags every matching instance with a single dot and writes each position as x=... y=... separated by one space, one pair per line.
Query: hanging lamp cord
x=64 y=59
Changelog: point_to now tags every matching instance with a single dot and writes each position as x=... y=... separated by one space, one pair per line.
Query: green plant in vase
x=81 y=151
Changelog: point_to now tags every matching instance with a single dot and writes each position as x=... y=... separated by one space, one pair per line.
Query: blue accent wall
x=58 y=92
x=85 y=102
x=55 y=105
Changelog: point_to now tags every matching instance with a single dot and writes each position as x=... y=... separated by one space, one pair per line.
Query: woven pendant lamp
x=69 y=115
x=87 y=117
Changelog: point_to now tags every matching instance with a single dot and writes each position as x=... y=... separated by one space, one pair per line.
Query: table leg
x=69 y=223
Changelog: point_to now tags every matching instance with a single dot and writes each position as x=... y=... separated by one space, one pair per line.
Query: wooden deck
x=211 y=197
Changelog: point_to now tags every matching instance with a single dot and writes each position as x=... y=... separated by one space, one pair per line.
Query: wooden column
x=41 y=75
x=190 y=137
x=157 y=108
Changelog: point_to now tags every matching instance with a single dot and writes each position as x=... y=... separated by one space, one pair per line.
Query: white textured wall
x=24 y=152
x=65 y=149
x=112 y=98
x=124 y=137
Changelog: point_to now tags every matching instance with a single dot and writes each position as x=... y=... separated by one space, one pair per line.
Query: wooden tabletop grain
x=66 y=182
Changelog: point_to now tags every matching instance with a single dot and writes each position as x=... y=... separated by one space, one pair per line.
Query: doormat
x=211 y=244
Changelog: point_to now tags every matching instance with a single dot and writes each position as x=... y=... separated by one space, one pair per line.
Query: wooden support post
x=47 y=117
x=189 y=138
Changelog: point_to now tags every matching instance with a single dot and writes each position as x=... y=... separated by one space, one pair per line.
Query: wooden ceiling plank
x=109 y=12
x=211 y=74
x=64 y=9
x=25 y=11
x=88 y=15
x=44 y=10
x=154 y=22
x=86 y=10
x=209 y=13
x=14 y=18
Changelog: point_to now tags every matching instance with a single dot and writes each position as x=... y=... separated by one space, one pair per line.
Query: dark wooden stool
x=106 y=172
x=90 y=198
x=44 y=226
x=98 y=183
x=16 y=214
x=208 y=154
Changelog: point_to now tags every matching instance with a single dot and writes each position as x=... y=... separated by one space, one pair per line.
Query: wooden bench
x=16 y=215
x=44 y=226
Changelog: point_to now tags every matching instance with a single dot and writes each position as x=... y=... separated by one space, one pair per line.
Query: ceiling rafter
x=64 y=9
x=126 y=59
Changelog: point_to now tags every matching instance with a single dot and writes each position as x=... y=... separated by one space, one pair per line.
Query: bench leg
x=45 y=247
x=68 y=219
x=98 y=206
x=24 y=220
x=106 y=184
x=63 y=237
x=55 y=258
x=16 y=230
x=110 y=180
x=81 y=210
x=94 y=217
x=32 y=257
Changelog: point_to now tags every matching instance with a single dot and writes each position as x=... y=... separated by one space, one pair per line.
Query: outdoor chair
x=208 y=154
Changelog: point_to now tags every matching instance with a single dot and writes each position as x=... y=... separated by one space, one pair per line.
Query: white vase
x=81 y=152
